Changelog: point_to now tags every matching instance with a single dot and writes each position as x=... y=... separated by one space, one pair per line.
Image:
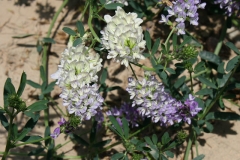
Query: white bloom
x=118 y=1
x=78 y=67
x=123 y=37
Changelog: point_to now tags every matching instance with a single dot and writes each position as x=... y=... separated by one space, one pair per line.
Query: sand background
x=19 y=17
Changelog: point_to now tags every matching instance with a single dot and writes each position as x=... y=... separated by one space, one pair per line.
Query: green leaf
x=232 y=63
x=48 y=40
x=78 y=139
x=220 y=68
x=149 y=141
x=205 y=91
x=207 y=82
x=197 y=130
x=199 y=67
x=116 y=125
x=179 y=82
x=38 y=106
x=102 y=2
x=209 y=127
x=154 y=139
x=155 y=46
x=22 y=84
x=163 y=75
x=39 y=48
x=102 y=143
x=221 y=104
x=117 y=156
x=222 y=79
x=200 y=157
x=233 y=47
x=211 y=57
x=171 y=71
x=163 y=157
x=15 y=131
x=35 y=152
x=172 y=145
x=113 y=6
x=31 y=138
x=69 y=31
x=186 y=40
x=29 y=114
x=169 y=154
x=135 y=6
x=23 y=36
x=42 y=74
x=49 y=88
x=8 y=89
x=125 y=127
x=104 y=76
x=4 y=121
x=223 y=116
x=165 y=138
x=80 y=28
x=28 y=127
x=33 y=84
x=77 y=42
x=148 y=40
x=93 y=132
x=47 y=133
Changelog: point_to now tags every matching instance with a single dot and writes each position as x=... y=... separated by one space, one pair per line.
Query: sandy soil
x=19 y=17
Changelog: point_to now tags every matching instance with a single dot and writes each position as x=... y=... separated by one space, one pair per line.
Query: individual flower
x=118 y=1
x=64 y=127
x=76 y=75
x=189 y=109
x=230 y=6
x=183 y=10
x=123 y=37
x=151 y=100
x=126 y=110
x=56 y=133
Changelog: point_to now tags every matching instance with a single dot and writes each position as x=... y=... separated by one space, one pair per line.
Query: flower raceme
x=123 y=37
x=76 y=75
x=153 y=101
x=230 y=5
x=183 y=10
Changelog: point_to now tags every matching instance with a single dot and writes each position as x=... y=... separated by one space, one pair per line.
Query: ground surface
x=18 y=17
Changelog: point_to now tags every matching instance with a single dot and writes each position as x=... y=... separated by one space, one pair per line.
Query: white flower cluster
x=118 y=1
x=123 y=37
x=78 y=68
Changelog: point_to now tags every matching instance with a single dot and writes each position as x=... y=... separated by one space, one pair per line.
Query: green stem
x=45 y=56
x=218 y=94
x=191 y=79
x=133 y=71
x=143 y=67
x=222 y=36
x=8 y=145
x=169 y=36
x=90 y=22
x=197 y=74
x=30 y=142
x=189 y=144
x=84 y=11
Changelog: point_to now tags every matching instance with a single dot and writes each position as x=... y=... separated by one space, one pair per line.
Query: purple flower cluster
x=126 y=110
x=152 y=101
x=183 y=10
x=64 y=126
x=84 y=102
x=230 y=6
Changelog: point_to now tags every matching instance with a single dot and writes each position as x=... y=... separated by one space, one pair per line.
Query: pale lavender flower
x=230 y=6
x=183 y=10
x=152 y=101
x=56 y=133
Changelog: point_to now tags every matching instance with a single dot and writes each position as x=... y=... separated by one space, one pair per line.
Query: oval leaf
x=69 y=31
